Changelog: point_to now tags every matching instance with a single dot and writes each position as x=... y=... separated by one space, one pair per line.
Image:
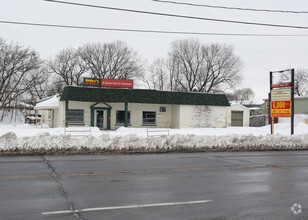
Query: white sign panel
x=280 y=94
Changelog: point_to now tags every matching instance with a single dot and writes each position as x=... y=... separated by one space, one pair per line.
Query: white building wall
x=61 y=113
x=56 y=118
x=196 y=116
x=163 y=119
x=238 y=107
x=210 y=117
x=176 y=109
x=219 y=116
x=186 y=116
x=176 y=116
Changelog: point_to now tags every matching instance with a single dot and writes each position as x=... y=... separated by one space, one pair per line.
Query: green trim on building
x=93 y=108
x=126 y=115
x=117 y=95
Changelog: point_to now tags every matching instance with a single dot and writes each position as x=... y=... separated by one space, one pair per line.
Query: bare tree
x=203 y=68
x=186 y=59
x=222 y=68
x=301 y=82
x=47 y=85
x=241 y=95
x=111 y=60
x=18 y=71
x=158 y=78
x=69 y=66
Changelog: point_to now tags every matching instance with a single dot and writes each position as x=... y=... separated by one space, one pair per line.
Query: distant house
x=300 y=109
x=300 y=105
x=247 y=113
x=48 y=108
x=110 y=108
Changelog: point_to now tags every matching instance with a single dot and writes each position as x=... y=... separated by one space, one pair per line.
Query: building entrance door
x=100 y=119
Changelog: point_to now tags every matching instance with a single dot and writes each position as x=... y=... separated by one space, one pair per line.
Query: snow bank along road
x=26 y=139
x=241 y=185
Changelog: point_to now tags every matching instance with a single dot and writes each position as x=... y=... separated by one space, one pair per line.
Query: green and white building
x=111 y=108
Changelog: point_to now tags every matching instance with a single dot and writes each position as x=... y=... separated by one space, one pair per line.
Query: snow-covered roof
x=254 y=108
x=49 y=102
x=248 y=102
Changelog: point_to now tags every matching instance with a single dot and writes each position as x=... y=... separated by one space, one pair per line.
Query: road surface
x=233 y=185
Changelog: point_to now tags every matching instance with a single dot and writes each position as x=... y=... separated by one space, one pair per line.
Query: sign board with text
x=91 y=82
x=281 y=96
x=282 y=85
x=117 y=83
x=281 y=109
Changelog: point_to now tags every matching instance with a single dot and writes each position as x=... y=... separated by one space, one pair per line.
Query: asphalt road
x=250 y=185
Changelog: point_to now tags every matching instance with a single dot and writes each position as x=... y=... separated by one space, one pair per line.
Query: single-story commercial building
x=110 y=108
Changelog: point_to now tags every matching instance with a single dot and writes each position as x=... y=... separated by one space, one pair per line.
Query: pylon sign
x=282 y=96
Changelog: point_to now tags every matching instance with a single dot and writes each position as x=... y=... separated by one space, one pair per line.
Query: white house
x=110 y=108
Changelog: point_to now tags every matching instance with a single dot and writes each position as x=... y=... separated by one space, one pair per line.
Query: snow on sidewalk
x=27 y=139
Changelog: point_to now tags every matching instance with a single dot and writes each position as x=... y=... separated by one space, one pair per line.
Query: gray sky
x=259 y=54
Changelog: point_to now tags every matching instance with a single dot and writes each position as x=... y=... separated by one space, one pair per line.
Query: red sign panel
x=118 y=83
x=281 y=109
x=281 y=85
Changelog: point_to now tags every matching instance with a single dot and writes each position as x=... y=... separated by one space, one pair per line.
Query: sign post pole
x=292 y=102
x=270 y=104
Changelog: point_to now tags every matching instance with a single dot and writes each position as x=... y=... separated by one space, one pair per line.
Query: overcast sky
x=260 y=55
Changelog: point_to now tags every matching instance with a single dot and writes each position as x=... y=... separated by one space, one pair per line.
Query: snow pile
x=26 y=139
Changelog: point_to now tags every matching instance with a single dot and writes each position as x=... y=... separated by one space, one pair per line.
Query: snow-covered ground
x=27 y=139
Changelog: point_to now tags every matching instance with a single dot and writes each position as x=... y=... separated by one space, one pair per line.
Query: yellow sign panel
x=277 y=113
x=281 y=109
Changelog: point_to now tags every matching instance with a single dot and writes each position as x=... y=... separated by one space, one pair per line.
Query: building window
x=162 y=109
x=149 y=118
x=120 y=117
x=75 y=115
x=49 y=116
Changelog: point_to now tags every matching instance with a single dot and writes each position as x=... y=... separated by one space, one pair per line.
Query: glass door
x=100 y=118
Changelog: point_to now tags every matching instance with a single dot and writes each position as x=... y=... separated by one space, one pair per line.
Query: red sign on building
x=117 y=83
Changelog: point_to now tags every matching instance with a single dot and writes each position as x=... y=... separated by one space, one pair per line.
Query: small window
x=149 y=118
x=162 y=109
x=75 y=115
x=120 y=117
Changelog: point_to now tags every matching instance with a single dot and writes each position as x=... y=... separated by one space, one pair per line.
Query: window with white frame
x=149 y=118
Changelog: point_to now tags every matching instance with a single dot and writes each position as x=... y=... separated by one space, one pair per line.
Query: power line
x=180 y=16
x=151 y=31
x=232 y=8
